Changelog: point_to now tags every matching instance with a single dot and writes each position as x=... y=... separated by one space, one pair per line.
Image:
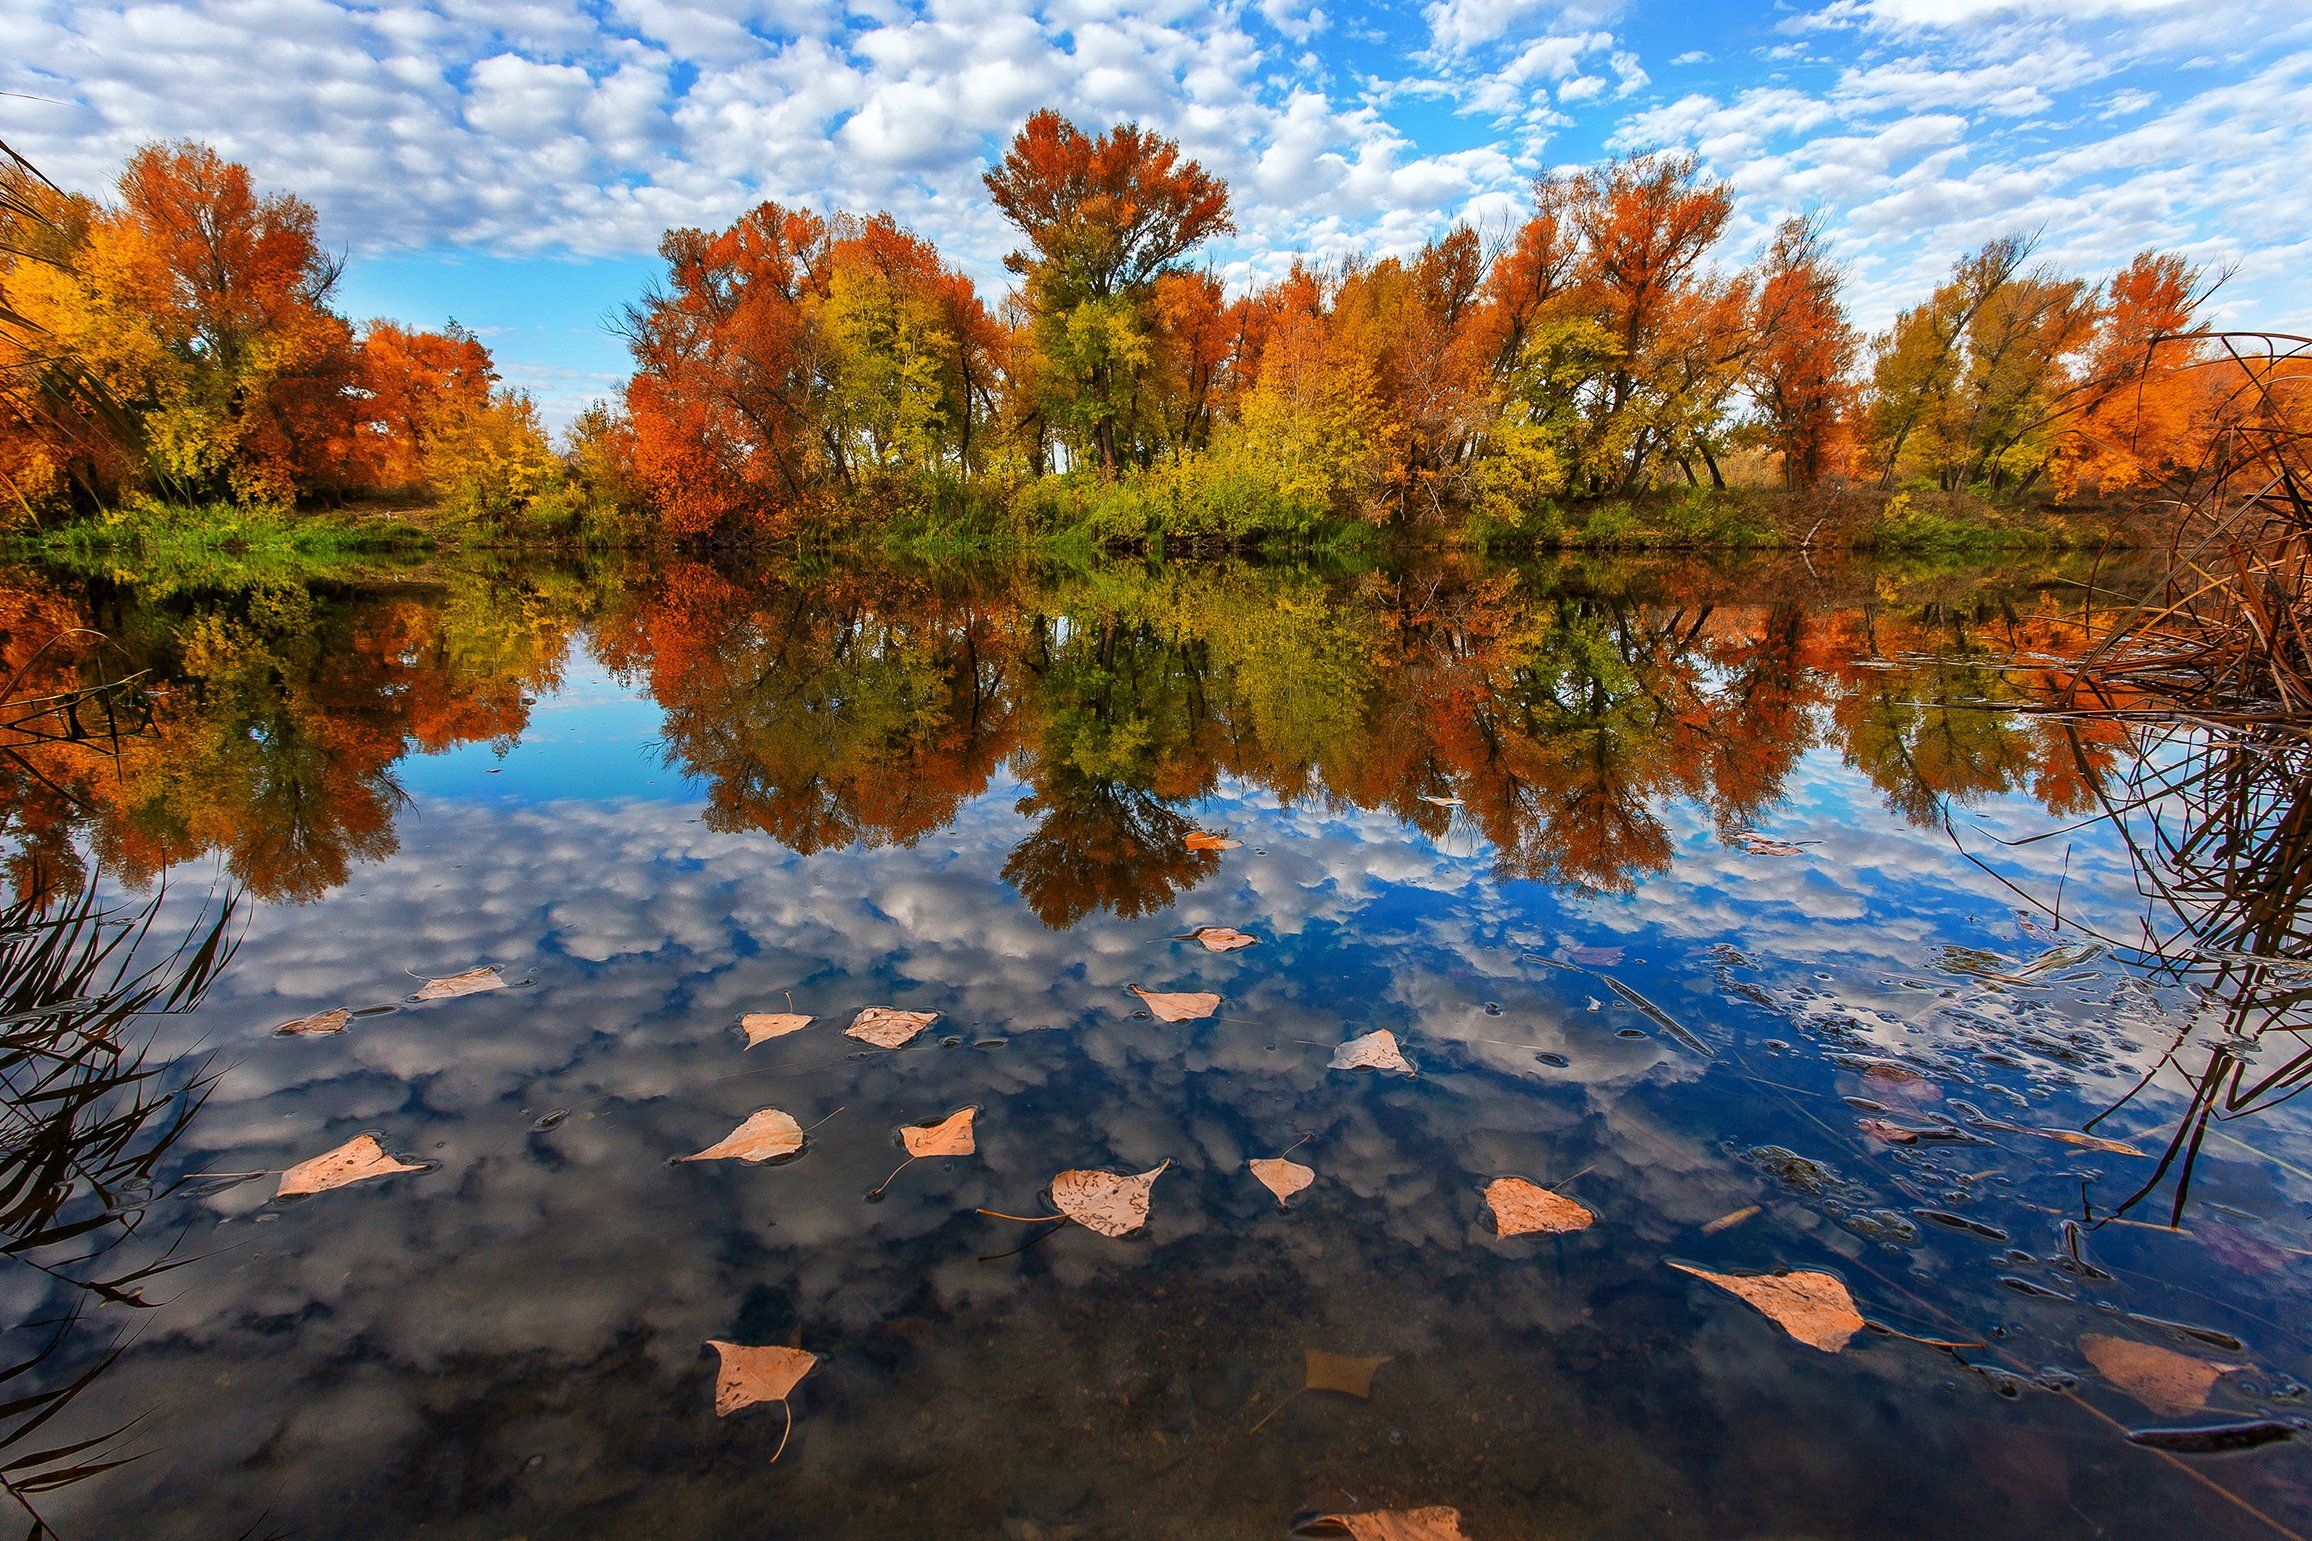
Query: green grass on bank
x=171 y=546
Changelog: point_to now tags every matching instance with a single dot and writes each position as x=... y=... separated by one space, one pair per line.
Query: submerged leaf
x=1814 y=1308
x=1112 y=1203
x=357 y=1160
x=1433 y=1524
x=1220 y=938
x=1888 y=1131
x=887 y=1027
x=1519 y=1207
x=472 y=981
x=330 y=1021
x=749 y=1375
x=1342 y=1372
x=1200 y=840
x=1728 y=1221
x=1281 y=1177
x=1757 y=844
x=1595 y=957
x=1377 y=1050
x=2159 y=1378
x=766 y=1133
x=1184 y=1006
x=951 y=1136
x=761 y=1025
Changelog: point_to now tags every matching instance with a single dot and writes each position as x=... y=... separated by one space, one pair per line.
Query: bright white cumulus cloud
x=493 y=133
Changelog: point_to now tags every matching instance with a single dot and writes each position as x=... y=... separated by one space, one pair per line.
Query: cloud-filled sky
x=513 y=164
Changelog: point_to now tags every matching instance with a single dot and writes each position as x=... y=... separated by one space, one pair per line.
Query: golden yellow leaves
x=1111 y=1203
x=1345 y=1373
x=1520 y=1208
x=887 y=1027
x=2160 y=1378
x=357 y=1160
x=1220 y=938
x=331 y=1021
x=951 y=1136
x=471 y=982
x=1377 y=1050
x=762 y=1026
x=766 y=1134
x=1201 y=840
x=1184 y=1006
x=1437 y=1523
x=1814 y=1308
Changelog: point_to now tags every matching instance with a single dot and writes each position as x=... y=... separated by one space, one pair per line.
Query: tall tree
x=1800 y=370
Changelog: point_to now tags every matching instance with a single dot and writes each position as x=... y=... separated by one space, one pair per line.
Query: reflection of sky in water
x=511 y=1344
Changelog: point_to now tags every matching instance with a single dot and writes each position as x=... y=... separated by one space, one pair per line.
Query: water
x=1470 y=803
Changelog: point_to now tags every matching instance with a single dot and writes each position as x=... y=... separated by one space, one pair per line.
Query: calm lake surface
x=1670 y=879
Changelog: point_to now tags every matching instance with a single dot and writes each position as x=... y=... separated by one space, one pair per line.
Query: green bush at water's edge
x=220 y=545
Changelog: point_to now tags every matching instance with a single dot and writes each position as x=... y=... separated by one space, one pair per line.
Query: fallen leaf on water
x=1434 y=1524
x=1441 y=802
x=1519 y=1207
x=887 y=1027
x=951 y=1136
x=1595 y=957
x=749 y=1375
x=470 y=982
x=1281 y=1177
x=357 y=1160
x=1727 y=1222
x=1185 y=1006
x=1199 y=840
x=2159 y=1378
x=1375 y=1051
x=760 y=1025
x=1766 y=845
x=1342 y=1372
x=1112 y=1203
x=329 y=1021
x=2089 y=1141
x=1891 y=1133
x=766 y=1133
x=1220 y=938
x=1812 y=1307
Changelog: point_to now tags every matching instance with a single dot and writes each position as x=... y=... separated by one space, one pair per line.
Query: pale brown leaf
x=951 y=1136
x=1519 y=1207
x=2089 y=1141
x=1281 y=1177
x=1112 y=1203
x=2159 y=1378
x=762 y=1025
x=1887 y=1132
x=1342 y=1372
x=1728 y=1221
x=1440 y=802
x=1185 y=1006
x=330 y=1021
x=749 y=1375
x=766 y=1133
x=1433 y=1524
x=471 y=982
x=1200 y=840
x=1812 y=1307
x=357 y=1160
x=1377 y=1050
x=1220 y=938
x=887 y=1027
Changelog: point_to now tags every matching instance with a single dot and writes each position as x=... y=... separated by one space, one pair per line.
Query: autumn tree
x=1800 y=368
x=1105 y=217
x=2148 y=402
x=410 y=381
x=911 y=354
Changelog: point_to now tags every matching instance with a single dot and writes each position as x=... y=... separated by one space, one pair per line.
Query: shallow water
x=660 y=798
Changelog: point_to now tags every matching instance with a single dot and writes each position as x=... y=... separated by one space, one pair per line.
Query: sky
x=512 y=164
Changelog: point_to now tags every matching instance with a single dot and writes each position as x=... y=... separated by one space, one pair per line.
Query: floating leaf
x=1342 y=1372
x=1112 y=1203
x=749 y=1375
x=1434 y=1524
x=330 y=1021
x=762 y=1025
x=1886 y=1131
x=1812 y=1307
x=766 y=1133
x=1220 y=938
x=887 y=1027
x=1281 y=1177
x=951 y=1136
x=2159 y=1378
x=1441 y=802
x=1377 y=1050
x=471 y=982
x=1765 y=845
x=1595 y=957
x=1200 y=840
x=1519 y=1207
x=357 y=1160
x=1185 y=1006
x=1727 y=1222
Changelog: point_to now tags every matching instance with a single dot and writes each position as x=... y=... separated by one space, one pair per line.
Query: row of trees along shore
x=794 y=371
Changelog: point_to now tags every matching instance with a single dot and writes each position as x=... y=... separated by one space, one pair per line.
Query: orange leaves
x=766 y=1135
x=951 y=1136
x=887 y=1027
x=357 y=1160
x=1521 y=1208
x=1281 y=1177
x=1204 y=840
x=748 y=1375
x=1814 y=1308
x=1111 y=1203
x=760 y=1026
x=2160 y=1378
x=1181 y=1006
x=1111 y=212
x=1220 y=938
x=1436 y=1523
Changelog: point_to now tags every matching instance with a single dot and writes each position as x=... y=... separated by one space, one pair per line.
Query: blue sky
x=512 y=164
